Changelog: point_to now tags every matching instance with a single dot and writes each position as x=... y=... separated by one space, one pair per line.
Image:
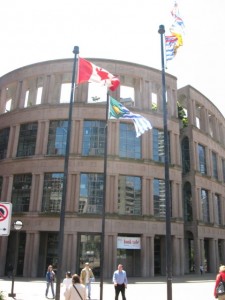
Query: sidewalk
x=186 y=287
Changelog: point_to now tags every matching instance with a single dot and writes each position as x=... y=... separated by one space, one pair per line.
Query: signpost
x=5 y=218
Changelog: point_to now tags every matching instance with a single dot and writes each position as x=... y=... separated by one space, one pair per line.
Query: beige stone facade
x=197 y=228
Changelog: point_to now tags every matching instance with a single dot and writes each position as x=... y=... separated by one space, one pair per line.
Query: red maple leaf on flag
x=102 y=74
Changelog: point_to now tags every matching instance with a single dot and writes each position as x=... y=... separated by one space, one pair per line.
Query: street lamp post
x=17 y=225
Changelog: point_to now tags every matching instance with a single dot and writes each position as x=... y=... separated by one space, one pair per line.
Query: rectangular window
x=159 y=194
x=158 y=145
x=127 y=95
x=214 y=165
x=27 y=139
x=57 y=137
x=202 y=159
x=89 y=251
x=205 y=205
x=65 y=93
x=223 y=169
x=21 y=191
x=129 y=195
x=8 y=105
x=39 y=95
x=93 y=138
x=97 y=93
x=52 y=192
x=218 y=209
x=91 y=193
x=130 y=146
x=4 y=138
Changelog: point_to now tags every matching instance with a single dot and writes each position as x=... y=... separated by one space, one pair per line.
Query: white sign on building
x=128 y=242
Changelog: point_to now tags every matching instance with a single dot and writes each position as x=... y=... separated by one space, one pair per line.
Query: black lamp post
x=17 y=225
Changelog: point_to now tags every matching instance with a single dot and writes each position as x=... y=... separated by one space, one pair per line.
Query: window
x=91 y=193
x=187 y=202
x=21 y=192
x=205 y=205
x=223 y=169
x=218 y=209
x=130 y=146
x=39 y=95
x=214 y=165
x=159 y=194
x=93 y=138
x=26 y=99
x=96 y=93
x=4 y=138
x=52 y=192
x=129 y=195
x=52 y=249
x=65 y=93
x=202 y=159
x=57 y=137
x=126 y=94
x=185 y=155
x=27 y=139
x=158 y=145
x=8 y=105
x=89 y=251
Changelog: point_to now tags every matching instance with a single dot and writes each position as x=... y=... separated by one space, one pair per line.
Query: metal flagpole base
x=12 y=295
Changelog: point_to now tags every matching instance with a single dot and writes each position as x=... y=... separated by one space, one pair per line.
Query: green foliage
x=2 y=297
x=182 y=115
x=154 y=107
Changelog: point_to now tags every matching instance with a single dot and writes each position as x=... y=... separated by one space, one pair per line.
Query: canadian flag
x=87 y=71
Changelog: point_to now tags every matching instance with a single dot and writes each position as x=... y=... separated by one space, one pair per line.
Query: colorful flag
x=118 y=111
x=174 y=41
x=171 y=48
x=87 y=71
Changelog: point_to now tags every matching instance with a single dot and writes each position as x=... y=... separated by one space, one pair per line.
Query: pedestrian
x=201 y=269
x=87 y=277
x=76 y=291
x=50 y=278
x=67 y=281
x=220 y=277
x=10 y=270
x=120 y=282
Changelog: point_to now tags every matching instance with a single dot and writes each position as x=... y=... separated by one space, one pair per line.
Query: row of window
x=91 y=196
x=91 y=193
x=203 y=162
x=93 y=140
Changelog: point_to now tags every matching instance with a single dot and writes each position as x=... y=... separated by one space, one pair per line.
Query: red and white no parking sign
x=5 y=218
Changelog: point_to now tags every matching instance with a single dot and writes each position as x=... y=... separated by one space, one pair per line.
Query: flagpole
x=161 y=31
x=102 y=257
x=65 y=178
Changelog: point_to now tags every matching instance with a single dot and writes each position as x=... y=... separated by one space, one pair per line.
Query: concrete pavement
x=184 y=287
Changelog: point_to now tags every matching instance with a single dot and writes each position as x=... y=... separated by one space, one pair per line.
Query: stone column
x=3 y=252
x=31 y=254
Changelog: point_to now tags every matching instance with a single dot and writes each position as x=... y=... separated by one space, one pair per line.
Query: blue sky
x=34 y=31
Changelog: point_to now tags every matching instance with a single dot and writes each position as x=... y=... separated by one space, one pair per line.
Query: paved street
x=185 y=287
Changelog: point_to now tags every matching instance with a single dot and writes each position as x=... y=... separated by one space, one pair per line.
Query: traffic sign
x=5 y=218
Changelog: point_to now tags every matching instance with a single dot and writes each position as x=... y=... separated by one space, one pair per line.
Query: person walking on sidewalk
x=76 y=291
x=219 y=277
x=50 y=278
x=120 y=282
x=87 y=277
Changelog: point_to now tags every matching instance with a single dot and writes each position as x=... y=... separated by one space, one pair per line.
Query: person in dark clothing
x=10 y=270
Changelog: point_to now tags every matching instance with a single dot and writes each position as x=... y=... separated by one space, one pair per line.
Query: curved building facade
x=34 y=107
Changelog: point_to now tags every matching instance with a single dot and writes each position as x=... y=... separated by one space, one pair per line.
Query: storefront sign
x=124 y=242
